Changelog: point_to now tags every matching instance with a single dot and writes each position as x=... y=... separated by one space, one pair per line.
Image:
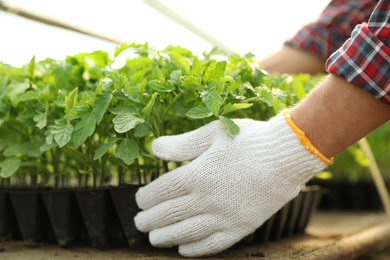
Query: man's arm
x=336 y=114
x=293 y=61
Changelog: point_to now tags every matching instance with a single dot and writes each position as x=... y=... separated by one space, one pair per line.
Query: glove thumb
x=186 y=146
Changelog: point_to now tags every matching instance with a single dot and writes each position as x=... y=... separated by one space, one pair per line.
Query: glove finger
x=168 y=186
x=186 y=146
x=213 y=244
x=183 y=232
x=167 y=213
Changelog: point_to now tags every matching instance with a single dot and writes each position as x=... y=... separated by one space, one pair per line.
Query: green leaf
x=141 y=86
x=199 y=112
x=104 y=84
x=136 y=78
x=41 y=120
x=213 y=101
x=278 y=105
x=299 y=90
x=193 y=83
x=236 y=85
x=125 y=109
x=31 y=68
x=62 y=132
x=8 y=167
x=101 y=104
x=84 y=129
x=49 y=135
x=103 y=148
x=125 y=122
x=160 y=86
x=181 y=63
x=141 y=130
x=230 y=127
x=77 y=112
x=175 y=77
x=233 y=107
x=29 y=95
x=127 y=151
x=16 y=92
x=148 y=108
x=124 y=46
x=266 y=95
x=220 y=69
x=157 y=74
x=196 y=69
x=71 y=100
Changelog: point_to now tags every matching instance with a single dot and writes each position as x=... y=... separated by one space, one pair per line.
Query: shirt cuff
x=364 y=61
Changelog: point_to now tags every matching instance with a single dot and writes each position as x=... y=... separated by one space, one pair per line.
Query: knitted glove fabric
x=229 y=189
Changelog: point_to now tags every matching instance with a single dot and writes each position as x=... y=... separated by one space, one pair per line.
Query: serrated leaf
x=31 y=67
x=125 y=109
x=278 y=105
x=181 y=63
x=148 y=108
x=193 y=83
x=199 y=112
x=233 y=107
x=142 y=85
x=41 y=120
x=127 y=151
x=236 y=85
x=62 y=132
x=101 y=104
x=175 y=77
x=71 y=100
x=104 y=84
x=220 y=69
x=196 y=69
x=266 y=96
x=213 y=101
x=16 y=92
x=84 y=129
x=9 y=166
x=160 y=86
x=49 y=135
x=123 y=47
x=125 y=122
x=141 y=130
x=29 y=95
x=136 y=78
x=77 y=112
x=231 y=128
x=103 y=148
x=157 y=74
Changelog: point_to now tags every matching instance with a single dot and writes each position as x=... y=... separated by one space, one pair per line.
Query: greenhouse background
x=259 y=27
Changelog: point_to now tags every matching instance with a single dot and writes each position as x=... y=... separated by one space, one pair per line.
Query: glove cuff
x=304 y=140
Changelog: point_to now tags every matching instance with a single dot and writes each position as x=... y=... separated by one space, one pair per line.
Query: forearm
x=293 y=61
x=336 y=114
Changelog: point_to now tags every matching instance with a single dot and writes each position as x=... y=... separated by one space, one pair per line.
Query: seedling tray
x=105 y=217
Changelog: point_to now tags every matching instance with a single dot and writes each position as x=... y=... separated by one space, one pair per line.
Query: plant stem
x=165 y=165
x=162 y=119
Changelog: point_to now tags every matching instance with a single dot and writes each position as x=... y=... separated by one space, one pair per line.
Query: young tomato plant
x=80 y=122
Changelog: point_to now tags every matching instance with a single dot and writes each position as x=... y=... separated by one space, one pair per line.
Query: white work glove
x=230 y=188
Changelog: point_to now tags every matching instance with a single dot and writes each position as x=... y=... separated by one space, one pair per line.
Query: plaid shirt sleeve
x=333 y=27
x=364 y=59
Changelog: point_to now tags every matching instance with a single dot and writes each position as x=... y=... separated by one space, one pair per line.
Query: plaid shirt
x=364 y=56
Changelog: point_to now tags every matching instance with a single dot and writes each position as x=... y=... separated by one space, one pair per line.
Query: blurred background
x=244 y=26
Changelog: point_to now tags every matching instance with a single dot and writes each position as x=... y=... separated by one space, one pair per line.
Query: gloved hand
x=230 y=188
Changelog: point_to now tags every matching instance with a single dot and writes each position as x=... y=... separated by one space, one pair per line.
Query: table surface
x=329 y=235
